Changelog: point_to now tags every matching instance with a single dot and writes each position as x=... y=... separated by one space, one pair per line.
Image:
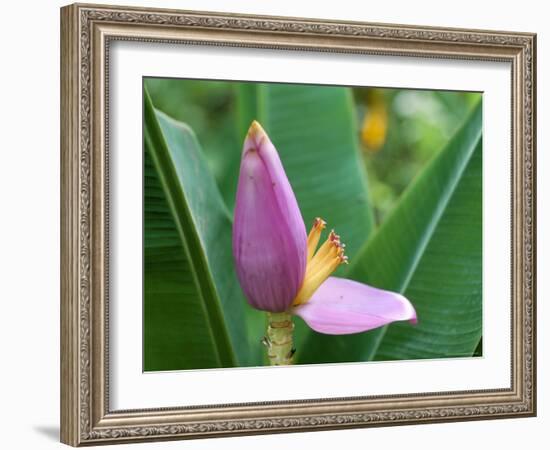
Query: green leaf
x=193 y=305
x=429 y=248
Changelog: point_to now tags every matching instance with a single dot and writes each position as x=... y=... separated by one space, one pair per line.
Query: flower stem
x=278 y=340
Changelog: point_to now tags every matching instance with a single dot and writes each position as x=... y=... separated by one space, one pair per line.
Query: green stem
x=278 y=339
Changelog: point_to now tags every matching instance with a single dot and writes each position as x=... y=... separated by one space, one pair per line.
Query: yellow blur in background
x=375 y=123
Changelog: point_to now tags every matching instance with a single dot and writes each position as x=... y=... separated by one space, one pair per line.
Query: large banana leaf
x=429 y=248
x=193 y=305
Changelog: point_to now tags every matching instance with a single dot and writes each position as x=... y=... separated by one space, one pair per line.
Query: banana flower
x=283 y=270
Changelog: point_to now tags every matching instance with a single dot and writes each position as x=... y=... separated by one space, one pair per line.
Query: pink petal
x=343 y=306
x=269 y=234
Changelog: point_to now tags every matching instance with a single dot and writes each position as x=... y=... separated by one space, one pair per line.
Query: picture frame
x=87 y=33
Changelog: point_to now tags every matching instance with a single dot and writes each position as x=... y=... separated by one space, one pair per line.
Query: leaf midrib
x=427 y=234
x=426 y=237
x=201 y=256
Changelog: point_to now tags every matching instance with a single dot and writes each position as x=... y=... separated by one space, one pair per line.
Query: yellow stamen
x=328 y=250
x=322 y=264
x=314 y=236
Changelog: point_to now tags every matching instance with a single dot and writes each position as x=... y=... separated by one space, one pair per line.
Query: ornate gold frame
x=86 y=31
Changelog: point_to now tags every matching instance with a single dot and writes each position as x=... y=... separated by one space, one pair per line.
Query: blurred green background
x=399 y=129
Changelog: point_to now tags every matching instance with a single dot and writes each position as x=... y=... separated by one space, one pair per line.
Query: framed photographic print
x=275 y=224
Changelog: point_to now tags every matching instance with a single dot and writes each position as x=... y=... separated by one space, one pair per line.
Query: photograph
x=282 y=224
x=289 y=224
